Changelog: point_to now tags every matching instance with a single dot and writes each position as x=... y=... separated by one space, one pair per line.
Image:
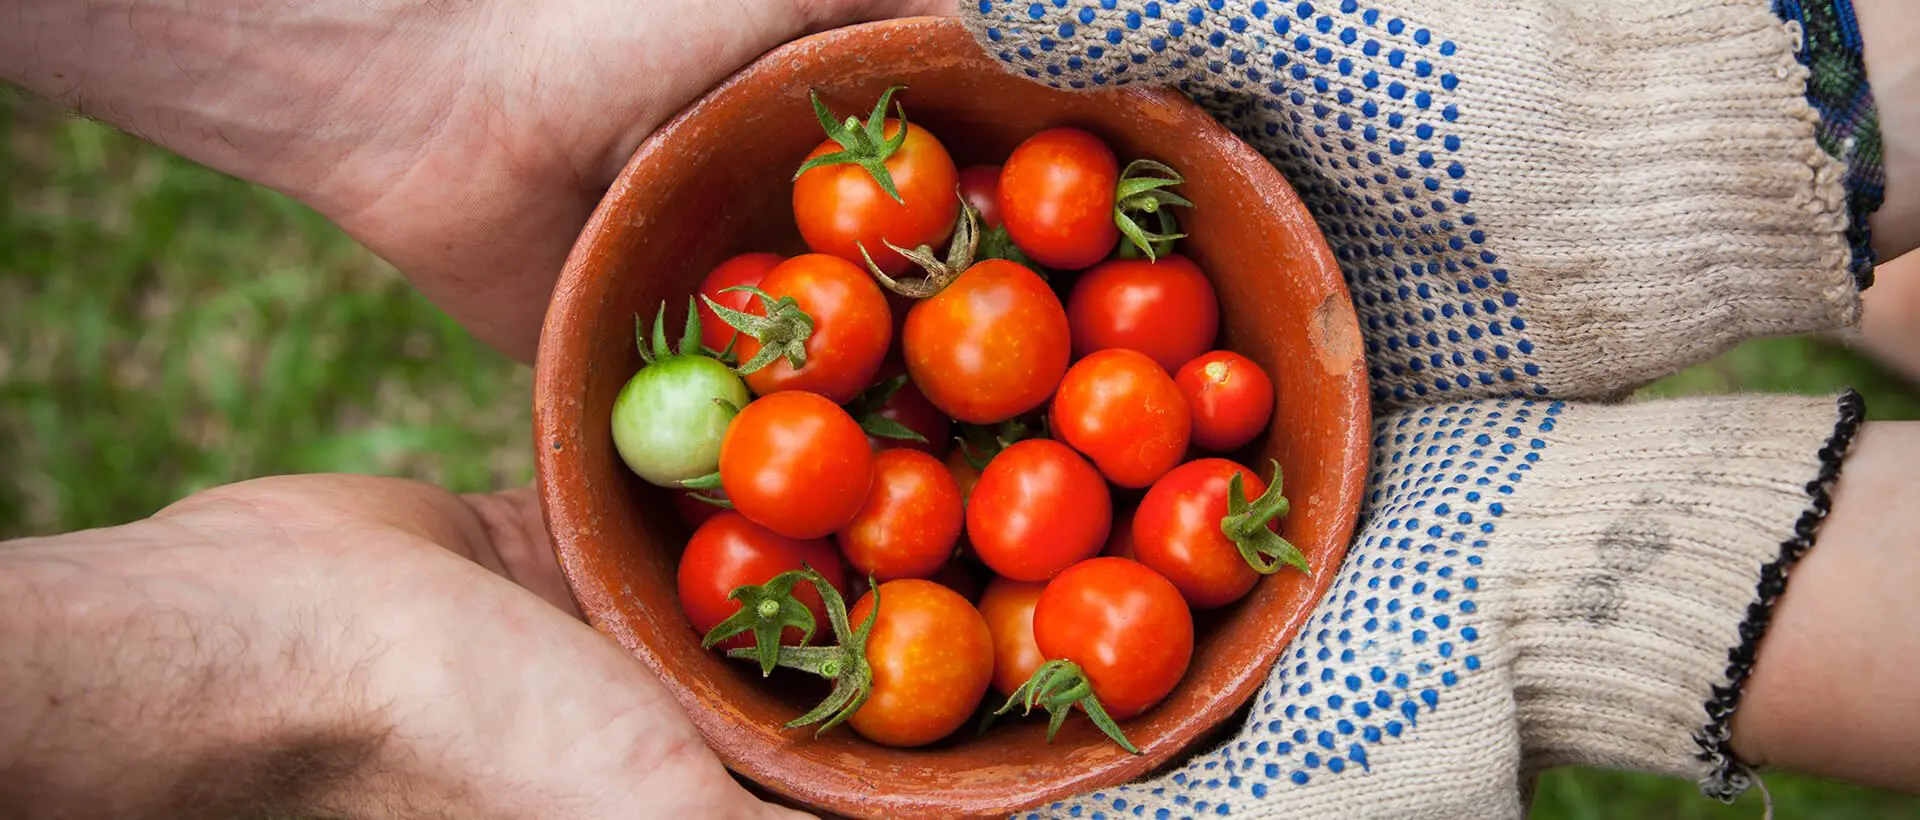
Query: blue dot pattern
x=1399 y=629
x=1357 y=108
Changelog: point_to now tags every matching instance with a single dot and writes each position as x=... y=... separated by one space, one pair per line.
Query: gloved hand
x=1531 y=201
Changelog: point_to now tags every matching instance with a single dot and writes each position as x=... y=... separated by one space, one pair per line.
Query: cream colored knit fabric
x=1529 y=197
x=1536 y=584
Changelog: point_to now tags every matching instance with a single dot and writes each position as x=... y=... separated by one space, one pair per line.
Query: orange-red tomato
x=840 y=208
x=729 y=552
x=1125 y=413
x=744 y=269
x=932 y=658
x=852 y=328
x=1165 y=309
x=1038 y=509
x=1008 y=607
x=911 y=519
x=990 y=346
x=1124 y=625
x=1231 y=399
x=796 y=463
x=1056 y=198
x=980 y=187
x=1177 y=532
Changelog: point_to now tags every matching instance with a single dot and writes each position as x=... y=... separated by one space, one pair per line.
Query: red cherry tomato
x=932 y=658
x=910 y=408
x=990 y=346
x=1120 y=541
x=840 y=208
x=1177 y=532
x=796 y=464
x=1039 y=507
x=1231 y=399
x=1165 y=309
x=745 y=269
x=1123 y=624
x=729 y=552
x=1008 y=607
x=911 y=519
x=852 y=328
x=980 y=187
x=1124 y=412
x=1056 y=198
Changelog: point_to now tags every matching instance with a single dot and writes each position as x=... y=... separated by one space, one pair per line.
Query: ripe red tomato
x=1056 y=198
x=840 y=208
x=932 y=658
x=910 y=408
x=1230 y=396
x=1039 y=507
x=1124 y=625
x=852 y=328
x=1177 y=532
x=745 y=269
x=729 y=552
x=912 y=516
x=1120 y=541
x=1008 y=607
x=1165 y=309
x=796 y=463
x=990 y=346
x=1125 y=413
x=980 y=187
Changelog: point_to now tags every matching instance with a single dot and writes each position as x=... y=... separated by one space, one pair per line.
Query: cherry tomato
x=1008 y=607
x=1124 y=625
x=1165 y=309
x=912 y=516
x=840 y=208
x=1120 y=541
x=729 y=552
x=694 y=511
x=910 y=408
x=990 y=346
x=1177 y=532
x=932 y=659
x=852 y=328
x=980 y=186
x=1038 y=509
x=1056 y=198
x=1125 y=413
x=745 y=269
x=797 y=464
x=1230 y=396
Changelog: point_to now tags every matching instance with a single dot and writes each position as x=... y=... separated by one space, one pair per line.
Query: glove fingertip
x=1088 y=45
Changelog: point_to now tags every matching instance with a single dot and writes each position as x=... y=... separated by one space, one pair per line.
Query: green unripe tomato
x=666 y=423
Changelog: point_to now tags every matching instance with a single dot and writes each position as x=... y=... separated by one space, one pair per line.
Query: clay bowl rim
x=560 y=447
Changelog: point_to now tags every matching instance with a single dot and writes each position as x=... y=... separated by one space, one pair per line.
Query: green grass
x=165 y=329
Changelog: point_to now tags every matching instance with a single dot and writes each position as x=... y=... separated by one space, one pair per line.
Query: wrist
x=153 y=686
x=1887 y=30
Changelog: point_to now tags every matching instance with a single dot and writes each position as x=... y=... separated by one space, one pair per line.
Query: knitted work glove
x=1537 y=584
x=1528 y=197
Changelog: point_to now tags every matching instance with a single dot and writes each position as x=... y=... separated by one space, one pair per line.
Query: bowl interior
x=715 y=182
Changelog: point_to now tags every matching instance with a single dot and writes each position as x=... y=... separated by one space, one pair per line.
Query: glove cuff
x=1650 y=554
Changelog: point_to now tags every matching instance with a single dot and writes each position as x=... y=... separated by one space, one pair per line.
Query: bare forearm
x=136 y=688
x=1832 y=692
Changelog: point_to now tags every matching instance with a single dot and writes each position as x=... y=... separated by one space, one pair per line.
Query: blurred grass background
x=164 y=329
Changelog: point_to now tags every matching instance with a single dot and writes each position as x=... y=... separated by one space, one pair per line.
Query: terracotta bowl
x=714 y=182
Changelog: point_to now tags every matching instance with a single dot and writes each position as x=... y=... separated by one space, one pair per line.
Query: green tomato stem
x=864 y=145
x=1057 y=686
x=844 y=663
x=1246 y=525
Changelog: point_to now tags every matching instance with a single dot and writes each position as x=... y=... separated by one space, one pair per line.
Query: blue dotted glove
x=1531 y=201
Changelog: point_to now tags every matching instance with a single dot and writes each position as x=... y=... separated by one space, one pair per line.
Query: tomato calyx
x=1057 y=686
x=1143 y=189
x=783 y=332
x=1246 y=526
x=940 y=273
x=862 y=144
x=979 y=443
x=865 y=409
x=653 y=348
x=998 y=244
x=766 y=610
x=844 y=663
x=711 y=483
